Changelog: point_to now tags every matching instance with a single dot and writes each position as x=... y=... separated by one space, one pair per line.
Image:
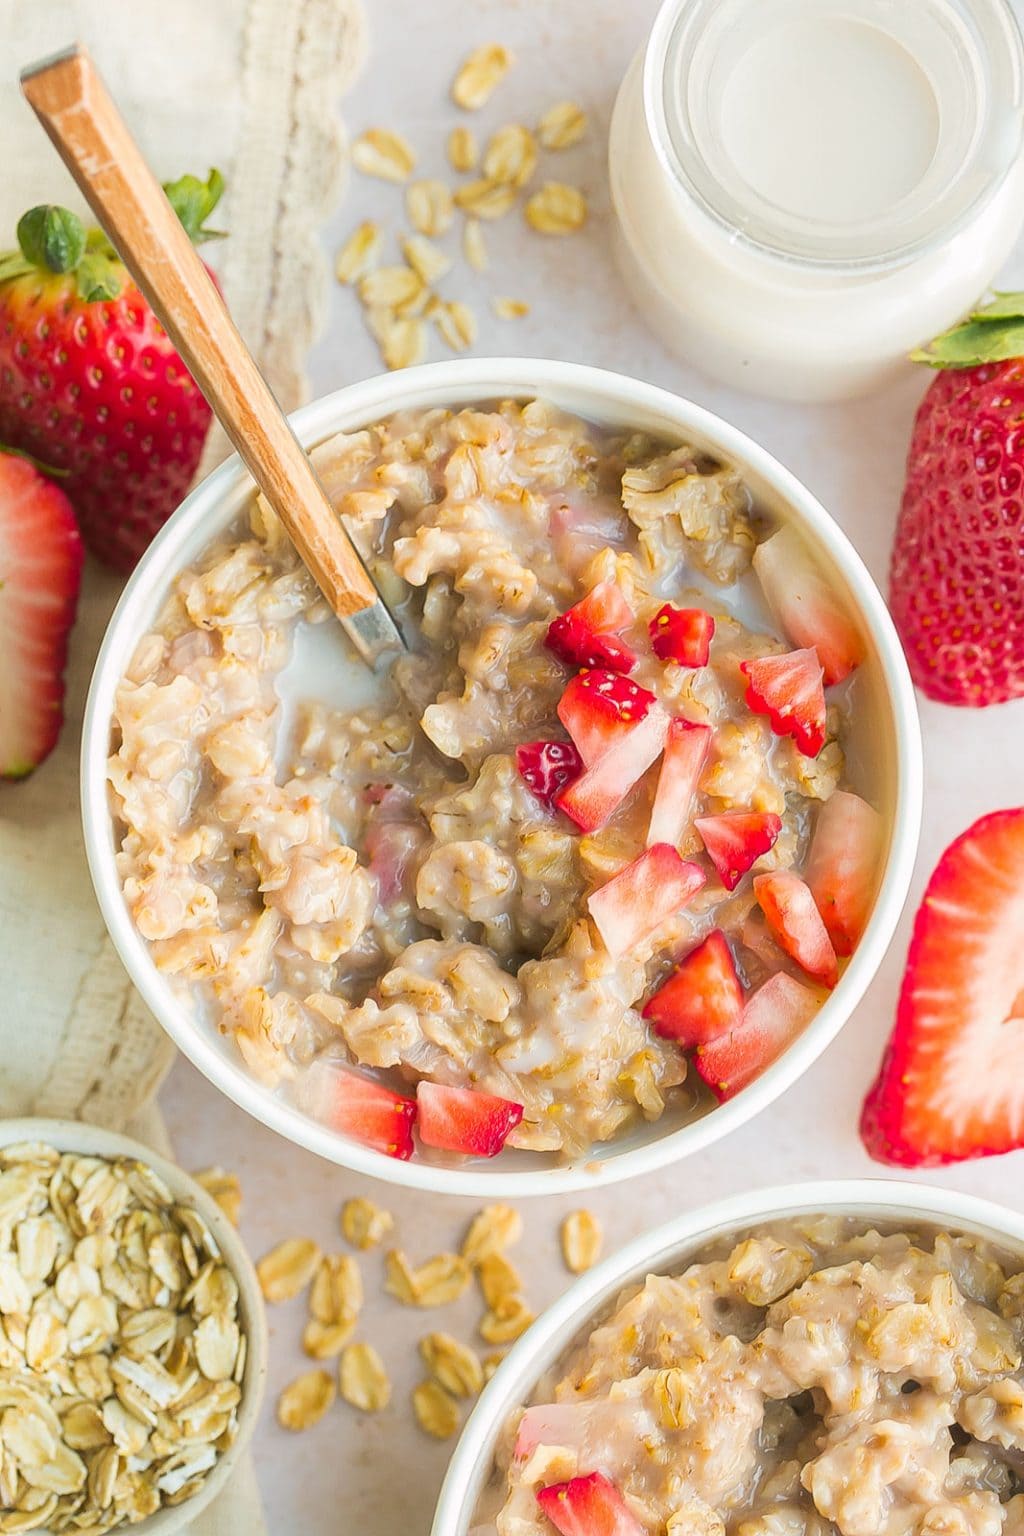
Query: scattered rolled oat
x=390 y=287
x=336 y=1294
x=225 y=1189
x=436 y=1410
x=510 y=309
x=562 y=125
x=491 y=1363
x=287 y=1269
x=462 y=148
x=322 y=1341
x=380 y=152
x=473 y=247
x=364 y=1381
x=511 y=156
x=556 y=209
x=485 y=199
x=425 y=258
x=498 y=1278
x=492 y=1230
x=403 y=343
x=434 y=1284
x=455 y=1365
x=456 y=324
x=305 y=1400
x=359 y=253
x=581 y=1241
x=364 y=1224
x=479 y=74
x=430 y=207
x=506 y=1320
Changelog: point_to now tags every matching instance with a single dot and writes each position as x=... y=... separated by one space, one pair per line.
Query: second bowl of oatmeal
x=594 y=872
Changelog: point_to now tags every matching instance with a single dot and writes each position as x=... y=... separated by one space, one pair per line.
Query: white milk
x=807 y=189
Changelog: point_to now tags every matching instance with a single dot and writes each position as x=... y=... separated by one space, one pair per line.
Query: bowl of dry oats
x=132 y=1335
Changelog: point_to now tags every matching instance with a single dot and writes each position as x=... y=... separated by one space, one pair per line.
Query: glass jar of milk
x=805 y=190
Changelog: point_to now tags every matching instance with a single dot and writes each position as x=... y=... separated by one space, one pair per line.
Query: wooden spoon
x=74 y=107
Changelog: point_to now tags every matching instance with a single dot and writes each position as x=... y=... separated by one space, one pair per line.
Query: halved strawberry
x=463 y=1120
x=951 y=1084
x=371 y=1113
x=796 y=923
x=585 y=634
x=776 y=1013
x=789 y=690
x=548 y=766
x=843 y=866
x=736 y=841
x=686 y=750
x=682 y=635
x=40 y=574
x=598 y=707
x=702 y=999
x=806 y=605
x=588 y=1506
x=591 y=799
x=642 y=896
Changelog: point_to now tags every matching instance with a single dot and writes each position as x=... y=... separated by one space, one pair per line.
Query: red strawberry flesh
x=737 y=840
x=548 y=766
x=686 y=750
x=642 y=896
x=702 y=999
x=796 y=923
x=806 y=605
x=465 y=1120
x=844 y=866
x=682 y=635
x=593 y=797
x=774 y=1016
x=790 y=691
x=586 y=634
x=588 y=1506
x=598 y=707
x=371 y=1113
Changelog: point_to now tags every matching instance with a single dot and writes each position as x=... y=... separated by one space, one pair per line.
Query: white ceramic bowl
x=94 y=1141
x=889 y=723
x=668 y=1249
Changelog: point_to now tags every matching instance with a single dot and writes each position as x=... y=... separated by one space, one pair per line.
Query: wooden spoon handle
x=77 y=112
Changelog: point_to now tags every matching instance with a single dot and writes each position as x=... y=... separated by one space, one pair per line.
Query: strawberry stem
x=44 y=469
x=993 y=333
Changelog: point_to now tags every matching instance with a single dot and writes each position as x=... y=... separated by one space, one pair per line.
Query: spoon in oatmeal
x=74 y=107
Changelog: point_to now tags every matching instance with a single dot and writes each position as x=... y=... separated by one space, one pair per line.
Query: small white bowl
x=94 y=1141
x=667 y=1250
x=888 y=723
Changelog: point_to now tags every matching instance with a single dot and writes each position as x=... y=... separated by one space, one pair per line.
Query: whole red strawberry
x=89 y=381
x=956 y=583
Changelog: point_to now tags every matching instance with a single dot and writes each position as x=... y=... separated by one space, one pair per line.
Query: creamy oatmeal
x=813 y=1377
x=610 y=750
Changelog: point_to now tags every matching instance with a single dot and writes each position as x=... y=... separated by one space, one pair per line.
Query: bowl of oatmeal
x=581 y=881
x=836 y=1357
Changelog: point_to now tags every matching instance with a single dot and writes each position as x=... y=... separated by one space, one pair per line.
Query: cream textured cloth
x=251 y=86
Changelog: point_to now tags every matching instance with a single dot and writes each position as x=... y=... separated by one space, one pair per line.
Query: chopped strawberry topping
x=585 y=635
x=736 y=841
x=796 y=923
x=463 y=1120
x=702 y=999
x=789 y=690
x=806 y=605
x=588 y=1506
x=951 y=1084
x=642 y=896
x=682 y=635
x=548 y=766
x=844 y=865
x=598 y=707
x=686 y=750
x=591 y=799
x=373 y=1114
x=774 y=1016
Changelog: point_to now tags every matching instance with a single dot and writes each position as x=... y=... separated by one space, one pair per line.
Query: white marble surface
x=378 y=1477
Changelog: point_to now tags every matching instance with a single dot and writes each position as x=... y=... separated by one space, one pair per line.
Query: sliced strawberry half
x=463 y=1120
x=774 y=1016
x=591 y=799
x=796 y=923
x=642 y=896
x=736 y=841
x=585 y=635
x=951 y=1084
x=371 y=1113
x=588 y=1506
x=40 y=574
x=702 y=999
x=682 y=635
x=844 y=866
x=806 y=605
x=789 y=690
x=598 y=707
x=686 y=750
x=548 y=766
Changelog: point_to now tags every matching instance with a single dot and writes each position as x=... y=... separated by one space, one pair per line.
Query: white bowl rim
x=97 y=1141
x=464 y=380
x=880 y=1199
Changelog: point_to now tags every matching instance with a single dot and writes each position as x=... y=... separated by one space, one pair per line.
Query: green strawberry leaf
x=1004 y=306
x=99 y=275
x=51 y=237
x=193 y=201
x=992 y=333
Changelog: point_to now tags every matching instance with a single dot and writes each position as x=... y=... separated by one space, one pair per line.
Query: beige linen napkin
x=251 y=86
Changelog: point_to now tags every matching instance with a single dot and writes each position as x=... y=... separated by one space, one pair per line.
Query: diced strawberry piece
x=789 y=690
x=806 y=605
x=463 y=1120
x=951 y=1084
x=843 y=866
x=686 y=750
x=591 y=799
x=796 y=923
x=702 y=999
x=395 y=831
x=588 y=1506
x=548 y=766
x=736 y=841
x=585 y=635
x=371 y=1113
x=642 y=896
x=598 y=707
x=774 y=1016
x=682 y=635
x=579 y=531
